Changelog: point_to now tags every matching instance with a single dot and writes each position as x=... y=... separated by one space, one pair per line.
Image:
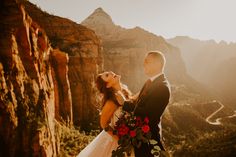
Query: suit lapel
x=158 y=80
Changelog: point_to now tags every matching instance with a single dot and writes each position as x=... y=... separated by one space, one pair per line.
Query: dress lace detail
x=116 y=116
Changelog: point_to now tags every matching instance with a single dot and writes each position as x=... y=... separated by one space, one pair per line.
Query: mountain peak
x=98 y=17
x=98 y=10
x=100 y=22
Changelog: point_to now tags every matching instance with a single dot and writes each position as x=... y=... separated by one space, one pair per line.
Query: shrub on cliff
x=72 y=141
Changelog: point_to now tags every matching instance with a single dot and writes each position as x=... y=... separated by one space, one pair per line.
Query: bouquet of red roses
x=132 y=132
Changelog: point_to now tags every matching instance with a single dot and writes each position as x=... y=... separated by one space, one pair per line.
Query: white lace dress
x=103 y=144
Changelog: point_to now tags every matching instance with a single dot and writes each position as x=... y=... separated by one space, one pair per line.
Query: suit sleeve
x=154 y=104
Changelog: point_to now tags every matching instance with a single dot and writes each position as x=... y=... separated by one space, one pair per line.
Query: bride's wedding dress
x=103 y=144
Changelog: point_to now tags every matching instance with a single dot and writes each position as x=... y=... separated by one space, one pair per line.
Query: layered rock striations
x=84 y=62
x=27 y=110
x=63 y=99
x=48 y=67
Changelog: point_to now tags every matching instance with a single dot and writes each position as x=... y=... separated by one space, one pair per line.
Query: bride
x=108 y=83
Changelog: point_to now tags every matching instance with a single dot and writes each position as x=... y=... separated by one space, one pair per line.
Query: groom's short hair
x=158 y=56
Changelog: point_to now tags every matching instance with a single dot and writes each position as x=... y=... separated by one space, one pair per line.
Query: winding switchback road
x=217 y=121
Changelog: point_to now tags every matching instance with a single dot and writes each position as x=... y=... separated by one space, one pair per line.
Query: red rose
x=145 y=128
x=123 y=130
x=146 y=120
x=132 y=133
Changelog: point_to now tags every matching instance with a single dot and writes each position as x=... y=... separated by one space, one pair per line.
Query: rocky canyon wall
x=63 y=100
x=48 y=67
x=84 y=52
x=27 y=110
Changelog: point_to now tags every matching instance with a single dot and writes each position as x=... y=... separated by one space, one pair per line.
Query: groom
x=152 y=99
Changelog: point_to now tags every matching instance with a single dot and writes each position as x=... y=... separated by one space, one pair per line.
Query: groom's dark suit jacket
x=152 y=104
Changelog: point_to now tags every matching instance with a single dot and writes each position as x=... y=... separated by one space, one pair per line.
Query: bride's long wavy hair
x=109 y=93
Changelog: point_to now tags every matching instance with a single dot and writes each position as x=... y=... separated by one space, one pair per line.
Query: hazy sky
x=201 y=19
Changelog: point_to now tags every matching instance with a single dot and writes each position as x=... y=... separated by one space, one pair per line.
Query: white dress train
x=104 y=143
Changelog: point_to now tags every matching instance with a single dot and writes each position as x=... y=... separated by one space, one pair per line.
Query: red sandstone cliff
x=85 y=61
x=63 y=100
x=27 y=126
x=39 y=84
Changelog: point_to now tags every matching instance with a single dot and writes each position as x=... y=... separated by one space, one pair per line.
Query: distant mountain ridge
x=194 y=51
x=210 y=63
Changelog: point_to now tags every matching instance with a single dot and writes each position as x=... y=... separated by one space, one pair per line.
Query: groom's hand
x=120 y=97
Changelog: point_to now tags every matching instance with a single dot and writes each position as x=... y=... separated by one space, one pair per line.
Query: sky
x=200 y=19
